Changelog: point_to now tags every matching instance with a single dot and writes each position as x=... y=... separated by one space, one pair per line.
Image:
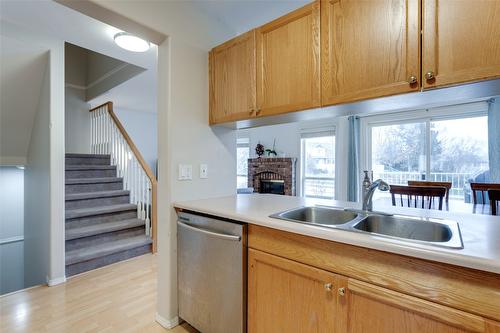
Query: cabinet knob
x=251 y=111
x=412 y=79
x=258 y=110
x=342 y=291
x=429 y=75
x=328 y=286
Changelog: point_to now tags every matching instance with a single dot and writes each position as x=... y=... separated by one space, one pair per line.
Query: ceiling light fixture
x=131 y=43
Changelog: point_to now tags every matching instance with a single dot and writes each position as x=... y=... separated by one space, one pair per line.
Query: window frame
x=242 y=142
x=317 y=133
x=469 y=110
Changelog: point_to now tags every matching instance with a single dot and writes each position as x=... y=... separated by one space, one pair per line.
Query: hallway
x=116 y=298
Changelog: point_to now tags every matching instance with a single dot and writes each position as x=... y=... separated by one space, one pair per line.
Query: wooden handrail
x=144 y=165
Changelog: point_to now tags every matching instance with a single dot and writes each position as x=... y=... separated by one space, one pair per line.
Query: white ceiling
x=22 y=67
x=244 y=15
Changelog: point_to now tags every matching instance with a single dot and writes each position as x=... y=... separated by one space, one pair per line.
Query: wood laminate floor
x=116 y=298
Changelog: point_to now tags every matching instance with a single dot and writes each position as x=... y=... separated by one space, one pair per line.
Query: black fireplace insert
x=274 y=186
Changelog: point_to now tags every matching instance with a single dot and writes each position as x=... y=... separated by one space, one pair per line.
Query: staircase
x=101 y=224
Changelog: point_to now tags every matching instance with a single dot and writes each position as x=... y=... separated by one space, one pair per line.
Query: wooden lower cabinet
x=368 y=308
x=288 y=296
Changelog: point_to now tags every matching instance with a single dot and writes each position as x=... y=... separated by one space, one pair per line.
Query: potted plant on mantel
x=272 y=151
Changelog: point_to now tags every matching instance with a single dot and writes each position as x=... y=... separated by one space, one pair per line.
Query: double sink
x=429 y=231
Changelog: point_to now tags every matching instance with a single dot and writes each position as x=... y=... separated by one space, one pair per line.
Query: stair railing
x=109 y=137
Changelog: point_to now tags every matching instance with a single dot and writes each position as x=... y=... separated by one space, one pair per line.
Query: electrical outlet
x=203 y=171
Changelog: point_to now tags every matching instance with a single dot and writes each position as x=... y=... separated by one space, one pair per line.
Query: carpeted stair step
x=90 y=171
x=101 y=210
x=102 y=228
x=88 y=265
x=87 y=159
x=105 y=249
x=91 y=241
x=95 y=215
x=85 y=185
x=93 y=199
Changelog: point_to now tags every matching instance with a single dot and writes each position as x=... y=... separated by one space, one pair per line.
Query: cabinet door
x=288 y=62
x=368 y=308
x=285 y=296
x=232 y=80
x=369 y=49
x=460 y=41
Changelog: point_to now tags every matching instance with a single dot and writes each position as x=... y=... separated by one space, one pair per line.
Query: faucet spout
x=368 y=193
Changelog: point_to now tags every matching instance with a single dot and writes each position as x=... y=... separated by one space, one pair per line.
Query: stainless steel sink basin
x=438 y=232
x=318 y=215
x=429 y=231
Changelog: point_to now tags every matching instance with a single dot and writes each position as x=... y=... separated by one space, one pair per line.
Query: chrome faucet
x=368 y=190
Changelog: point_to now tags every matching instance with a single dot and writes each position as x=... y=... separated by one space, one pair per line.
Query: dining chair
x=482 y=188
x=494 y=196
x=446 y=185
x=418 y=196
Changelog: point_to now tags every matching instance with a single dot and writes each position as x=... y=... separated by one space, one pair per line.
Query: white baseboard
x=167 y=323
x=56 y=281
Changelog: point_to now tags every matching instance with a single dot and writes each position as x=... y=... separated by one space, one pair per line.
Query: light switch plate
x=185 y=172
x=203 y=171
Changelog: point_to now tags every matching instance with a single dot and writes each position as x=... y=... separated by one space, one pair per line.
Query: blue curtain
x=494 y=139
x=353 y=156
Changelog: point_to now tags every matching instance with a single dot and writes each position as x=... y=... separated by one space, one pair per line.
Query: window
x=318 y=165
x=434 y=149
x=242 y=156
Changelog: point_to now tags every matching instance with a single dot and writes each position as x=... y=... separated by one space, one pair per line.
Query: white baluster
x=100 y=130
x=106 y=134
x=148 y=224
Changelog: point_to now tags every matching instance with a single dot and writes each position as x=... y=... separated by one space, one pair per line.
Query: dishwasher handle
x=209 y=233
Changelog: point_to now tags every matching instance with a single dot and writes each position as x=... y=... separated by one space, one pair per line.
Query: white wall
x=77 y=121
x=142 y=128
x=45 y=163
x=76 y=109
x=11 y=229
x=37 y=190
x=287 y=138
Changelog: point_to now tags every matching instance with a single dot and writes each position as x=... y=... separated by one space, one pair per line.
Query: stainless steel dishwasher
x=211 y=273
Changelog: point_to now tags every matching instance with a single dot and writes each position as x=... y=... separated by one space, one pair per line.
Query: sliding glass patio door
x=435 y=149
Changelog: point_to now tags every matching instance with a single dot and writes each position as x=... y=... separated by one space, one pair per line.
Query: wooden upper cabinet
x=288 y=65
x=369 y=49
x=461 y=41
x=285 y=296
x=368 y=308
x=232 y=80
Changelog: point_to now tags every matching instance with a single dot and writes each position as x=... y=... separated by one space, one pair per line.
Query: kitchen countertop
x=480 y=233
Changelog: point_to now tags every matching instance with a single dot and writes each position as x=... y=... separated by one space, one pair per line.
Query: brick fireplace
x=272 y=175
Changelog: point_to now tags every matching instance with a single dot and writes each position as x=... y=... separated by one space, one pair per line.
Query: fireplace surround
x=266 y=175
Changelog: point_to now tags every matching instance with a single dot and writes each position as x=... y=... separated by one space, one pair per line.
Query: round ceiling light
x=131 y=43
